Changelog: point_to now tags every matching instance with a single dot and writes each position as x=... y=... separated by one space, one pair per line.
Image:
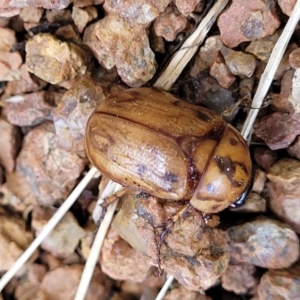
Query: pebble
x=240 y=279
x=263 y=47
x=263 y=242
x=51 y=172
x=221 y=72
x=63 y=60
x=82 y=16
x=238 y=62
x=186 y=7
x=110 y=38
x=74 y=109
x=271 y=131
x=10 y=144
x=30 y=109
x=137 y=11
x=284 y=189
x=287 y=6
x=169 y=23
x=62 y=284
x=122 y=262
x=194 y=254
x=64 y=238
x=247 y=21
x=280 y=284
x=180 y=292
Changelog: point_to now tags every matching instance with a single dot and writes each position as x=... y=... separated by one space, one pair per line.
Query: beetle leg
x=107 y=201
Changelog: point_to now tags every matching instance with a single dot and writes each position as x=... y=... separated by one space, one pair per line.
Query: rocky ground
x=58 y=60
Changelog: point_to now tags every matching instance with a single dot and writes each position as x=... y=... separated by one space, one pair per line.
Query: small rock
x=50 y=261
x=259 y=181
x=212 y=95
x=16 y=192
x=69 y=33
x=157 y=42
x=59 y=16
x=246 y=88
x=287 y=6
x=10 y=63
x=27 y=291
x=85 y=3
x=29 y=284
x=30 y=109
x=281 y=102
x=64 y=238
x=10 y=144
x=74 y=109
x=276 y=136
x=206 y=54
x=14 y=239
x=169 y=23
x=7 y=39
x=264 y=243
x=26 y=84
x=1 y=180
x=62 y=60
x=294 y=149
x=265 y=157
x=284 y=64
x=191 y=252
x=50 y=171
x=284 y=191
x=110 y=40
x=263 y=47
x=137 y=11
x=239 y=63
x=9 y=253
x=31 y=14
x=240 y=279
x=180 y=292
x=247 y=21
x=7 y=12
x=118 y=258
x=152 y=282
x=56 y=4
x=82 y=16
x=221 y=72
x=280 y=284
x=254 y=204
x=62 y=284
x=187 y=6
x=294 y=60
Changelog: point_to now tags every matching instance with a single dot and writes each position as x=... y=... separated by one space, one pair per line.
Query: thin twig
x=165 y=288
x=189 y=48
x=93 y=257
x=47 y=228
x=97 y=212
x=271 y=68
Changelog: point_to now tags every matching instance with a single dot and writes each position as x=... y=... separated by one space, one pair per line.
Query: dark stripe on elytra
x=202 y=116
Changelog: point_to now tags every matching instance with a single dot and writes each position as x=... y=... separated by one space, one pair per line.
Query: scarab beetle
x=151 y=141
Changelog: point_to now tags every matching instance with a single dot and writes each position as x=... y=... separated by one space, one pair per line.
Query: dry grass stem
x=189 y=48
x=48 y=228
x=270 y=70
x=92 y=260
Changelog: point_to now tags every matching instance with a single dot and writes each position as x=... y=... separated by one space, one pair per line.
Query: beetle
x=153 y=142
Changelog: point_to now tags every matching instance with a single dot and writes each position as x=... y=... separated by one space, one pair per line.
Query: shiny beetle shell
x=150 y=141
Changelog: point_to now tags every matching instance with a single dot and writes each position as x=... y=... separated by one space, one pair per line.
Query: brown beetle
x=150 y=141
